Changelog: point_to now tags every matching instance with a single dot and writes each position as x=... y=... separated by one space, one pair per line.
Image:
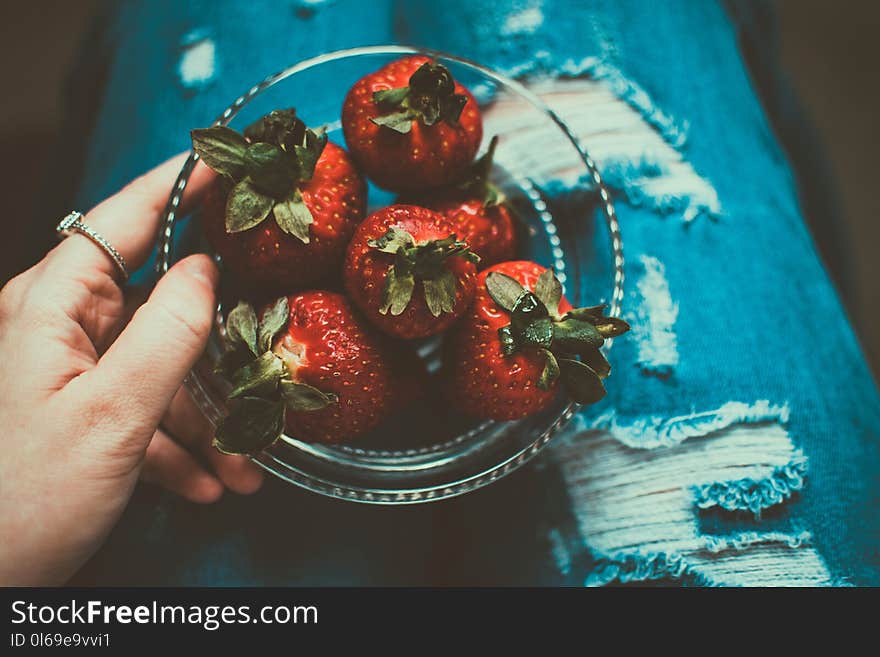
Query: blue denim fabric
x=760 y=341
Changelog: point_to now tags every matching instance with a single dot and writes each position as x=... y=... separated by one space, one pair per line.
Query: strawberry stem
x=430 y=97
x=476 y=184
x=262 y=390
x=535 y=324
x=267 y=165
x=425 y=263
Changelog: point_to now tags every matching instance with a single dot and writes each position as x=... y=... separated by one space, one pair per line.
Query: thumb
x=162 y=342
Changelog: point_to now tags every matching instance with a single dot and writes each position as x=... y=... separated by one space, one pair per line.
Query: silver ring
x=73 y=223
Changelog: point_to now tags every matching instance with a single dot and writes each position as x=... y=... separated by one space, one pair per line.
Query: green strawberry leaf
x=428 y=259
x=611 y=327
x=430 y=97
x=530 y=325
x=429 y=110
x=252 y=425
x=477 y=184
x=222 y=149
x=536 y=333
x=587 y=314
x=398 y=121
x=581 y=383
x=549 y=290
x=397 y=292
x=261 y=387
x=451 y=108
x=431 y=256
x=280 y=127
x=294 y=217
x=241 y=327
x=550 y=372
x=232 y=360
x=393 y=240
x=432 y=94
x=303 y=397
x=308 y=155
x=424 y=262
x=246 y=207
x=597 y=362
x=575 y=336
x=440 y=293
x=493 y=196
x=274 y=319
x=259 y=378
x=390 y=97
x=432 y=78
x=534 y=322
x=469 y=255
x=504 y=290
x=270 y=169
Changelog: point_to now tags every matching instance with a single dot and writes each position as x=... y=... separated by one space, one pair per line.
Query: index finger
x=129 y=220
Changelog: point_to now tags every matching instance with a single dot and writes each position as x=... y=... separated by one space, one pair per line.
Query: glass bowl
x=569 y=224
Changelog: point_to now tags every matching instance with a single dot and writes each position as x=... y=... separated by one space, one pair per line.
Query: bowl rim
x=392 y=496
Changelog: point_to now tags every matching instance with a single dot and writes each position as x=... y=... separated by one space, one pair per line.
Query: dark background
x=828 y=51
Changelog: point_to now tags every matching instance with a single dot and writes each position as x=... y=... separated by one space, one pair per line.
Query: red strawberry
x=478 y=213
x=286 y=204
x=309 y=364
x=506 y=359
x=410 y=126
x=394 y=250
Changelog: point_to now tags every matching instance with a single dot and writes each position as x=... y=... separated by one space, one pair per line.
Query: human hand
x=84 y=390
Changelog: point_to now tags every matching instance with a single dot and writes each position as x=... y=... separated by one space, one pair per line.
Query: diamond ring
x=73 y=223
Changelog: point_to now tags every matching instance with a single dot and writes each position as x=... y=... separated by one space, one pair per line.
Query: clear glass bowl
x=578 y=237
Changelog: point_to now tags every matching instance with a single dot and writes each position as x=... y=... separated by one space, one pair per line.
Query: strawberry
x=309 y=364
x=286 y=203
x=398 y=247
x=521 y=340
x=410 y=126
x=477 y=211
